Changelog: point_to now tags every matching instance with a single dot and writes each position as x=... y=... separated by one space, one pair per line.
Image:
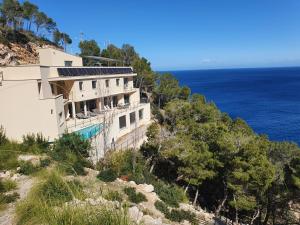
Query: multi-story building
x=61 y=95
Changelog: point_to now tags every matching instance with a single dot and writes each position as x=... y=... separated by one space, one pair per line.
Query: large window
x=126 y=99
x=141 y=114
x=122 y=122
x=115 y=101
x=94 y=84
x=80 y=85
x=132 y=117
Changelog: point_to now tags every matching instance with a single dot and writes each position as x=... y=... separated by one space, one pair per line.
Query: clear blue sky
x=188 y=34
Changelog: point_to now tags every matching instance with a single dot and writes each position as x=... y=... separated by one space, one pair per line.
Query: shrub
x=45 y=162
x=8 y=198
x=113 y=196
x=107 y=175
x=8 y=156
x=3 y=138
x=162 y=207
x=7 y=185
x=34 y=143
x=134 y=196
x=70 y=151
x=54 y=190
x=180 y=215
x=121 y=163
x=28 y=168
x=170 y=194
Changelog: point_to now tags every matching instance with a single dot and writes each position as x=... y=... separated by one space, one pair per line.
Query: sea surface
x=268 y=99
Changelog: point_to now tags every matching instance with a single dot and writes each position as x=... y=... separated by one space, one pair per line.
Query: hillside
x=21 y=47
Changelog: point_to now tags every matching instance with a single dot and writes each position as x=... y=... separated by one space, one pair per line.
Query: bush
x=45 y=162
x=7 y=185
x=170 y=194
x=34 y=143
x=70 y=151
x=180 y=215
x=134 y=196
x=3 y=138
x=162 y=207
x=107 y=175
x=8 y=198
x=9 y=156
x=28 y=168
x=55 y=191
x=113 y=196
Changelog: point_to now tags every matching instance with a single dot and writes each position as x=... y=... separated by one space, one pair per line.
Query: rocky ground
x=24 y=184
x=143 y=213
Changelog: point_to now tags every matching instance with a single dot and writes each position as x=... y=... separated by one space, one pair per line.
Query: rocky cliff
x=21 y=48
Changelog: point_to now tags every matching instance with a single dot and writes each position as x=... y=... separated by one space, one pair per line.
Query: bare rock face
x=148 y=220
x=18 y=54
x=135 y=214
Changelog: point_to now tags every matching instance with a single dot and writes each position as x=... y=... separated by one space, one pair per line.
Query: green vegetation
x=135 y=197
x=236 y=172
x=46 y=205
x=17 y=21
x=71 y=152
x=113 y=196
x=176 y=215
x=107 y=175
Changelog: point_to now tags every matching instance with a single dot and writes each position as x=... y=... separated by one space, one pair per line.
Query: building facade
x=61 y=95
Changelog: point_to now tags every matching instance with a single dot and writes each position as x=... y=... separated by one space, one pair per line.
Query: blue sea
x=267 y=98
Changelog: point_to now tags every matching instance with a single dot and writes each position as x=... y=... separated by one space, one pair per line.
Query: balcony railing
x=75 y=124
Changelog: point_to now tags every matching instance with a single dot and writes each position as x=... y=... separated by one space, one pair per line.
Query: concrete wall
x=53 y=57
x=115 y=132
x=21 y=72
x=22 y=111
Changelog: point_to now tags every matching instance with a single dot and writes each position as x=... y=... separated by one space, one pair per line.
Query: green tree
x=11 y=12
x=29 y=12
x=41 y=20
x=167 y=89
x=89 y=48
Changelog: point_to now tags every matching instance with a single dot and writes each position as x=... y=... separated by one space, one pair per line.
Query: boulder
x=34 y=159
x=135 y=214
x=148 y=220
x=148 y=188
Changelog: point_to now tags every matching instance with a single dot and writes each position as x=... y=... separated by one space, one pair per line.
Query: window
x=132 y=117
x=122 y=122
x=68 y=63
x=60 y=117
x=141 y=114
x=126 y=99
x=80 y=85
x=94 y=84
x=125 y=82
x=115 y=101
x=118 y=82
x=106 y=83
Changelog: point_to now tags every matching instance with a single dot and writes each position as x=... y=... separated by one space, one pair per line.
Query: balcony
x=99 y=116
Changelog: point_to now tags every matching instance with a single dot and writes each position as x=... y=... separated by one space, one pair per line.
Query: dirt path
x=24 y=185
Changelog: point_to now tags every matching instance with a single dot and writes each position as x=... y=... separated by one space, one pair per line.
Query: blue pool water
x=268 y=99
x=91 y=131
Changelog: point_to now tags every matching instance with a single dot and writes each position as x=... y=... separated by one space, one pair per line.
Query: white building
x=60 y=95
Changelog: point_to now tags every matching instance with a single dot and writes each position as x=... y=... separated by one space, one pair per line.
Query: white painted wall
x=22 y=111
x=53 y=57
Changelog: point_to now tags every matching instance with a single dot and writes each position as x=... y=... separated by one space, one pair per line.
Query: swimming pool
x=91 y=131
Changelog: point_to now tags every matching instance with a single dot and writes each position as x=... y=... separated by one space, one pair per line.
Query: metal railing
x=80 y=123
x=129 y=143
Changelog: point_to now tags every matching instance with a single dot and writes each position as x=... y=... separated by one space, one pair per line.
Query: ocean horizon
x=266 y=98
